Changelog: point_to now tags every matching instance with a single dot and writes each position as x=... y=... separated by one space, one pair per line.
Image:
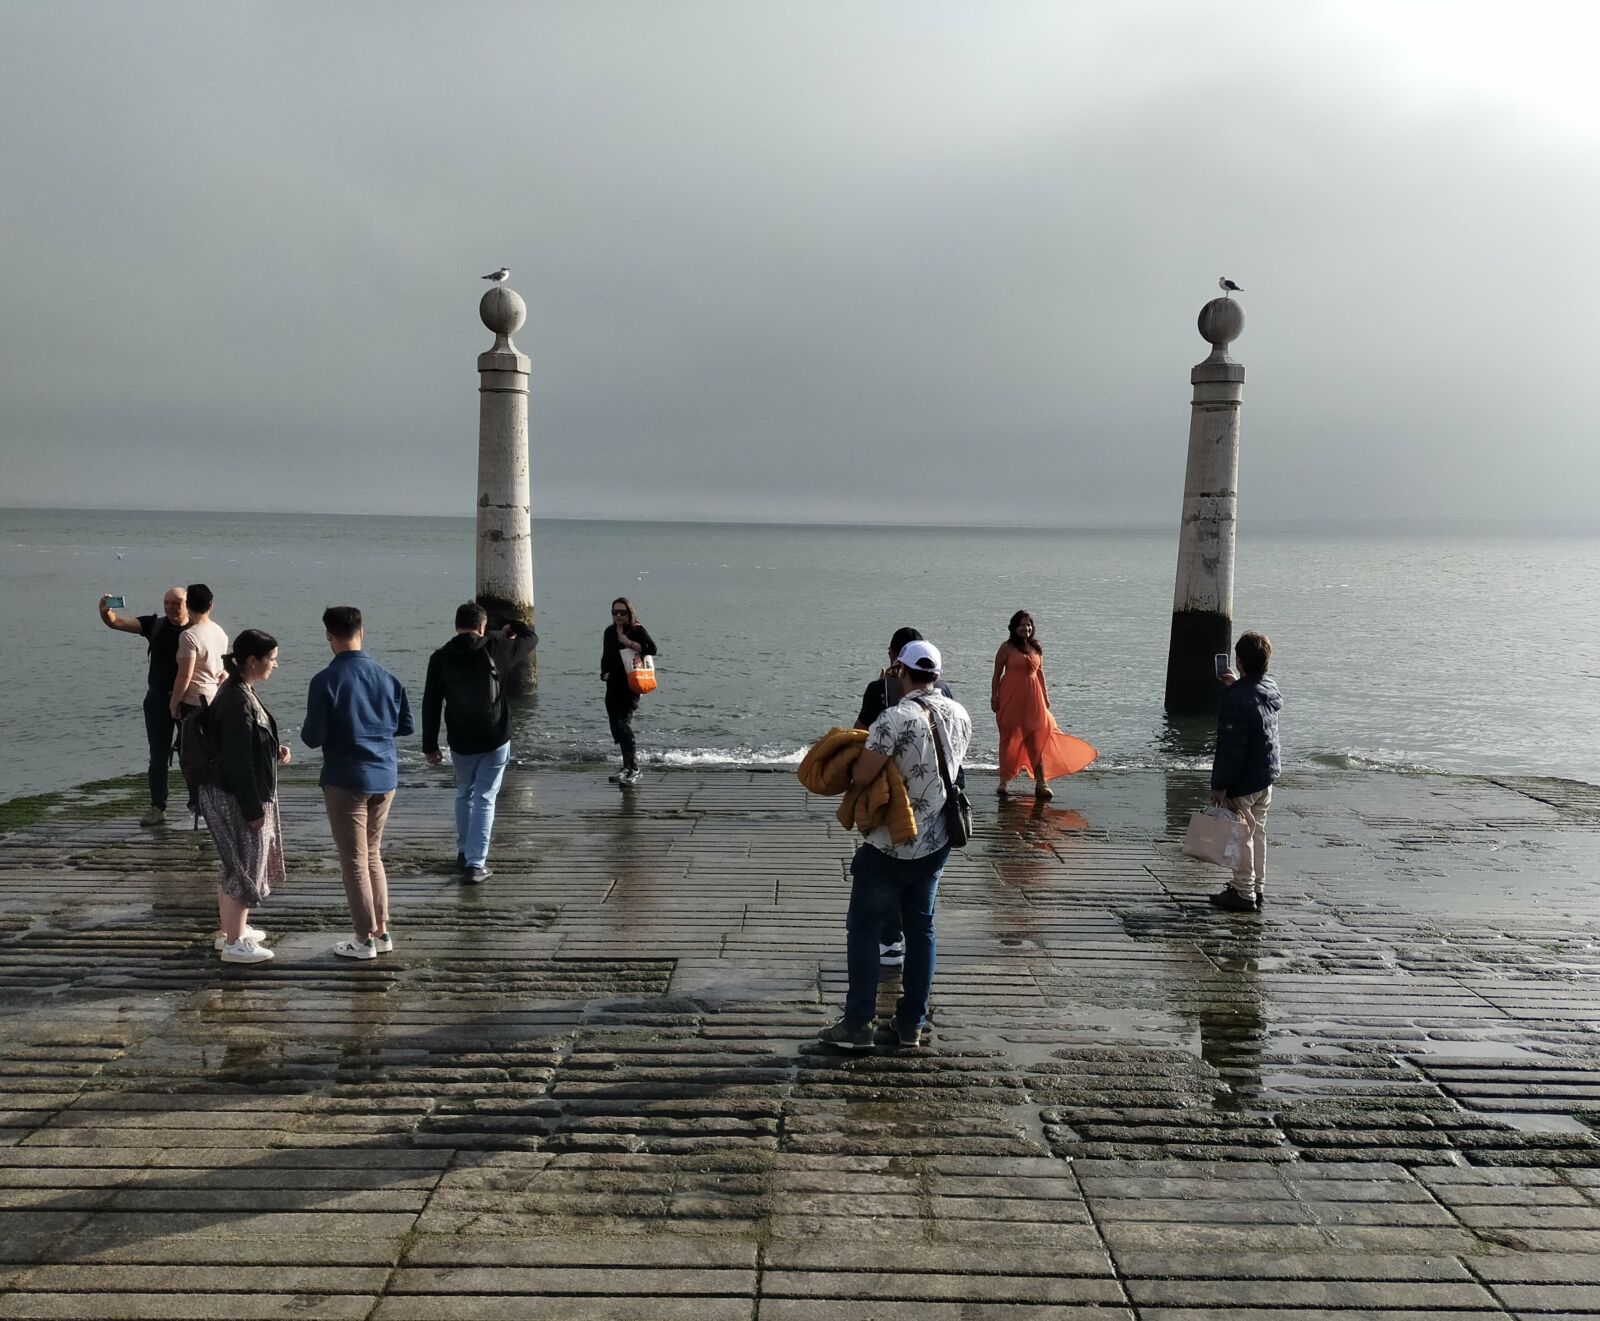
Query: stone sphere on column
x=503 y=310
x=1221 y=322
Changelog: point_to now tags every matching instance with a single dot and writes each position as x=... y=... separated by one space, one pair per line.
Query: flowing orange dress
x=1029 y=735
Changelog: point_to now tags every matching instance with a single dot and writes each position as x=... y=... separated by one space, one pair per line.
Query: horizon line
x=1459 y=523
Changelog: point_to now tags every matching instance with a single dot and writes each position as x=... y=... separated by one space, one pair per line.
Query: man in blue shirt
x=354 y=712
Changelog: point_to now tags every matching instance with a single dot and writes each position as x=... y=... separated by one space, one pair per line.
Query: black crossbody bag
x=957 y=807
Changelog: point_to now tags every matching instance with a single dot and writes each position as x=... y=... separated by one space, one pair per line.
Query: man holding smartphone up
x=161 y=634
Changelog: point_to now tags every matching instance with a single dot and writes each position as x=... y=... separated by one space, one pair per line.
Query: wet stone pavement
x=590 y=1087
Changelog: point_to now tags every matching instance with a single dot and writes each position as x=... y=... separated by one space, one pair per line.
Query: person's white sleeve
x=963 y=738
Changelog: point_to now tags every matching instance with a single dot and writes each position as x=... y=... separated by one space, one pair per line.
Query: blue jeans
x=883 y=885
x=478 y=776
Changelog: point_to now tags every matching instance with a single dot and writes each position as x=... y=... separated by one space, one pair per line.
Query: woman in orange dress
x=1030 y=739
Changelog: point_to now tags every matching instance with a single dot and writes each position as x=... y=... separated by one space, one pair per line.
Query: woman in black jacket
x=240 y=800
x=625 y=638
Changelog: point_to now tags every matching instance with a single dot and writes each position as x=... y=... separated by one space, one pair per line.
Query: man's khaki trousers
x=357 y=821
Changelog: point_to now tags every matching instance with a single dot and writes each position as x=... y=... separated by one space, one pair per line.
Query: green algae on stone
x=120 y=795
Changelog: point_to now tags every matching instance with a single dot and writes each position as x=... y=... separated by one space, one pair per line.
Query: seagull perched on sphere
x=499 y=277
x=1228 y=287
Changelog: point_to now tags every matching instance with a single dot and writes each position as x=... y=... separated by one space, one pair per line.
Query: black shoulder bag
x=957 y=807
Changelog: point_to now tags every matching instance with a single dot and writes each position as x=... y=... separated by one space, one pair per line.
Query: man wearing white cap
x=886 y=875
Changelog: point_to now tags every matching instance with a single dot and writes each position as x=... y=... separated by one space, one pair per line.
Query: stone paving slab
x=591 y=1088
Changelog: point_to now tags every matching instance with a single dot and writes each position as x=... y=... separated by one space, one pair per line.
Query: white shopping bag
x=1216 y=835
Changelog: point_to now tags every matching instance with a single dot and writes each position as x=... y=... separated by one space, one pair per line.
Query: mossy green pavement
x=114 y=798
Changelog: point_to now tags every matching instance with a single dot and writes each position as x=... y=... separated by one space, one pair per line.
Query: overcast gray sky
x=904 y=261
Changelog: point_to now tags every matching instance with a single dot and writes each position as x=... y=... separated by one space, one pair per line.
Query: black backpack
x=472 y=684
x=200 y=748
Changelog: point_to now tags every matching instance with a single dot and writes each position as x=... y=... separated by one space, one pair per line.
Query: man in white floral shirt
x=887 y=875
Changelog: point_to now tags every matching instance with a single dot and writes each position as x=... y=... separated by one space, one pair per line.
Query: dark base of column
x=1197 y=636
x=525 y=680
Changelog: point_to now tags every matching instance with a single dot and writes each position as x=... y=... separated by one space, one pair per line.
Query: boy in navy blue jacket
x=1246 y=766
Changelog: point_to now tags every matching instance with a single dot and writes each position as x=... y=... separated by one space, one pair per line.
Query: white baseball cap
x=921 y=656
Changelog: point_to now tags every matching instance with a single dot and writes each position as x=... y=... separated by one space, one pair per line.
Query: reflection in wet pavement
x=610 y=1048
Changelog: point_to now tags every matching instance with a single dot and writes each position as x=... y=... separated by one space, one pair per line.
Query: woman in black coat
x=240 y=796
x=624 y=639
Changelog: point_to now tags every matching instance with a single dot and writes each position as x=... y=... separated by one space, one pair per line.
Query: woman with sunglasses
x=625 y=638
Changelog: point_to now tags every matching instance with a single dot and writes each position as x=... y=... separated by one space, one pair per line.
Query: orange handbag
x=642 y=674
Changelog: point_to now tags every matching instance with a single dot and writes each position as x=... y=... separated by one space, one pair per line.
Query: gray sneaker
x=842 y=1036
x=156 y=816
x=629 y=777
x=910 y=1037
x=475 y=875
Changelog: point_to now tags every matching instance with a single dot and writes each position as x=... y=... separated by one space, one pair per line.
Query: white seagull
x=499 y=277
x=1228 y=287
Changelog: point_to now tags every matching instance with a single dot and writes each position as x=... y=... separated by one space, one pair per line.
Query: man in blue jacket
x=1246 y=766
x=354 y=712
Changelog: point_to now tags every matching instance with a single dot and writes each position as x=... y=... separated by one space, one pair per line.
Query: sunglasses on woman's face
x=619 y=614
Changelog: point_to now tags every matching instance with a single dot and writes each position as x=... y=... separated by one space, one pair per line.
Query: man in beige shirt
x=200 y=672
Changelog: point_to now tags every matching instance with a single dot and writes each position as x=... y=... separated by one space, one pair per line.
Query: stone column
x=1202 y=601
x=505 y=534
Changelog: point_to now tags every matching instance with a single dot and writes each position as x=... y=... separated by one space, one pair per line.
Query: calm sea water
x=1417 y=653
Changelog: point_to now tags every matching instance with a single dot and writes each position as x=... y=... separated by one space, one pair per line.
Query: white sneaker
x=156 y=816
x=383 y=942
x=628 y=777
x=357 y=949
x=245 y=950
x=219 y=939
x=892 y=956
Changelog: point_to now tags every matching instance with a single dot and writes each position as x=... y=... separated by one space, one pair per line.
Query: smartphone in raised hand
x=116 y=603
x=1220 y=664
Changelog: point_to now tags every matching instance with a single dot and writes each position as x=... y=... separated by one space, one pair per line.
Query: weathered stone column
x=505 y=533
x=1202 y=601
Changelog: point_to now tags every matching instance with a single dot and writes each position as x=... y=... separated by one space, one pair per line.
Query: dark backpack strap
x=494 y=678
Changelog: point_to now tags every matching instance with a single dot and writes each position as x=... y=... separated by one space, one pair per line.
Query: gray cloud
x=778 y=255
